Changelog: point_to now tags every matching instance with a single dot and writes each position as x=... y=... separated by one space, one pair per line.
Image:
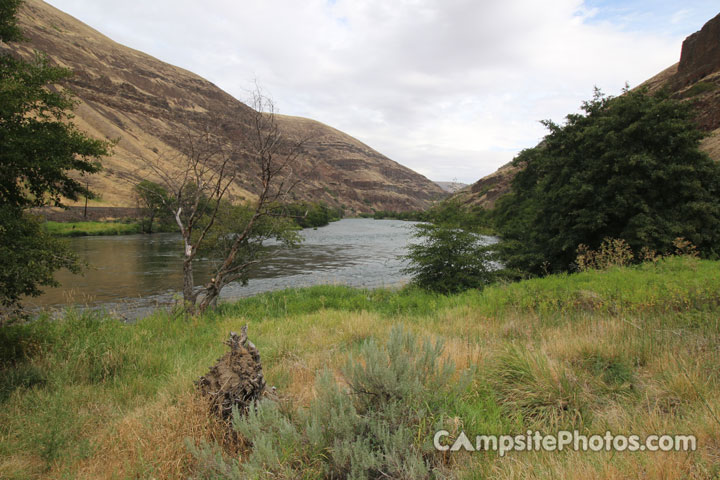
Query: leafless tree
x=198 y=181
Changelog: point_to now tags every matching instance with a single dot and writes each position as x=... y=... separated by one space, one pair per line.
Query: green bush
x=448 y=259
x=311 y=214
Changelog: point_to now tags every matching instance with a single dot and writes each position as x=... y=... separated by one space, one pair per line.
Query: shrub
x=378 y=426
x=448 y=259
x=613 y=252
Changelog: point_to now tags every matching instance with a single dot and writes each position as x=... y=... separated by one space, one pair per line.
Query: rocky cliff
x=144 y=103
x=695 y=78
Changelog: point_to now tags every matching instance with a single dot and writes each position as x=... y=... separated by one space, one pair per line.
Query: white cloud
x=450 y=88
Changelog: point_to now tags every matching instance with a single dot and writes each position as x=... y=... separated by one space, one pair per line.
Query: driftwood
x=236 y=379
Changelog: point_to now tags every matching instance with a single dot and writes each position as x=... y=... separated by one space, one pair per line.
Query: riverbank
x=81 y=229
x=630 y=350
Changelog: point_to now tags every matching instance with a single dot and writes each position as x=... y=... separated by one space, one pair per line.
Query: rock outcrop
x=700 y=55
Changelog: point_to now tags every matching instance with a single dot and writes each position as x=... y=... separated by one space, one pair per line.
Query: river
x=130 y=275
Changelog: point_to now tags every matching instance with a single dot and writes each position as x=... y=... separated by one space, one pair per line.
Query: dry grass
x=150 y=440
x=558 y=363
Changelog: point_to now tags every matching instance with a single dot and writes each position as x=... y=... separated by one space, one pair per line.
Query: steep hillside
x=488 y=189
x=695 y=78
x=143 y=102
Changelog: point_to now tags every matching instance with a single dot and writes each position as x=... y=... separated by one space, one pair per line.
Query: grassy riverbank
x=79 y=229
x=631 y=350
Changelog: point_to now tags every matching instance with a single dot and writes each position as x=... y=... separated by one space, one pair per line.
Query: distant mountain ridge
x=451 y=187
x=144 y=102
x=695 y=78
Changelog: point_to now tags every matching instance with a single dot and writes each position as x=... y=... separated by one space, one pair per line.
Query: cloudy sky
x=450 y=88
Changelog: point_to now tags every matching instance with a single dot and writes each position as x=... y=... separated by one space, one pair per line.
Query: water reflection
x=134 y=273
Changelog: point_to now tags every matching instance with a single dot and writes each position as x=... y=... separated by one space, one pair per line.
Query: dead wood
x=236 y=379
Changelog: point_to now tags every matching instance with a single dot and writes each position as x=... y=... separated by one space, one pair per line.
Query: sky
x=452 y=89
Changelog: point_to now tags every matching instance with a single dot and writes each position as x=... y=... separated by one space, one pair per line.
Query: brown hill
x=695 y=78
x=144 y=102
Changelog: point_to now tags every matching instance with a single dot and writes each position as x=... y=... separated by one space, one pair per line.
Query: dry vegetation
x=630 y=350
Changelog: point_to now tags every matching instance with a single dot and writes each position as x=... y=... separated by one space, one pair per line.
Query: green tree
x=152 y=199
x=42 y=157
x=448 y=259
x=628 y=167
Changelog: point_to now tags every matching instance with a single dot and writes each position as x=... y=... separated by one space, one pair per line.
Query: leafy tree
x=42 y=154
x=448 y=259
x=627 y=168
x=311 y=214
x=28 y=258
x=152 y=199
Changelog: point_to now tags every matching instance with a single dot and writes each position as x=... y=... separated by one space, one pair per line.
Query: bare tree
x=197 y=182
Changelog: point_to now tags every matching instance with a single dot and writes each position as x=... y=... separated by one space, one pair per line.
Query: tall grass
x=79 y=229
x=630 y=350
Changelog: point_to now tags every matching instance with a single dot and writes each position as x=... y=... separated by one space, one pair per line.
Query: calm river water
x=130 y=275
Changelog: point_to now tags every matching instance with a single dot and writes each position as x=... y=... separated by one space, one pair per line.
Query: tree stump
x=236 y=379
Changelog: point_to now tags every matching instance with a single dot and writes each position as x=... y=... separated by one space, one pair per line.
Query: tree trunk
x=188 y=279
x=210 y=296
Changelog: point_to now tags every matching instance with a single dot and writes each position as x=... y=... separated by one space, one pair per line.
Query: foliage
x=627 y=168
x=254 y=248
x=452 y=212
x=42 y=154
x=9 y=31
x=447 y=212
x=417 y=216
x=152 y=198
x=376 y=426
x=699 y=88
x=613 y=252
x=29 y=256
x=209 y=164
x=448 y=259
x=311 y=214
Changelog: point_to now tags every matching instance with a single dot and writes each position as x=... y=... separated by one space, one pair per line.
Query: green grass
x=79 y=229
x=631 y=350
